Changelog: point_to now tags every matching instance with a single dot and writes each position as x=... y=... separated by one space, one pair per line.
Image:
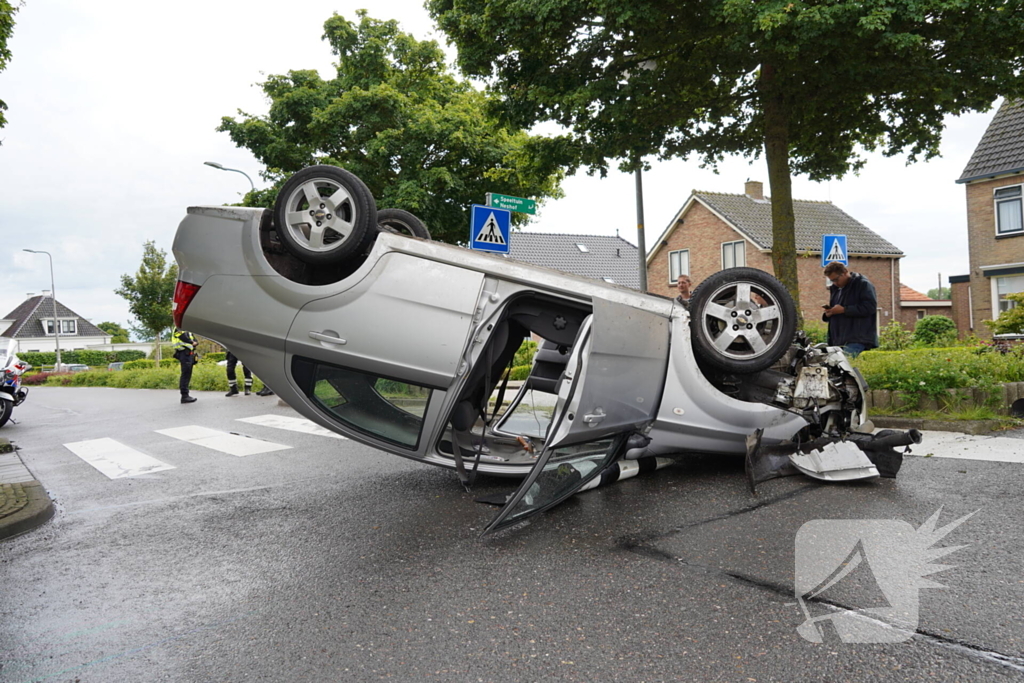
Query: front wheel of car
x=742 y=320
x=325 y=215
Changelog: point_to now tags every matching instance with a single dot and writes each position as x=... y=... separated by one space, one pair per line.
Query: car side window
x=388 y=409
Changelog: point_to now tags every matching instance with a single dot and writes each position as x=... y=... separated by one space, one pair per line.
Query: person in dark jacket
x=851 y=312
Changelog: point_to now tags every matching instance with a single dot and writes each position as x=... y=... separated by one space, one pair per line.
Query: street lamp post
x=640 y=243
x=222 y=167
x=53 y=293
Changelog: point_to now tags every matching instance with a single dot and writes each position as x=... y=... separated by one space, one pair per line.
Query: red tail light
x=183 y=295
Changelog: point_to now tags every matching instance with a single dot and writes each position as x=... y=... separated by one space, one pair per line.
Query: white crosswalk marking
x=114 y=459
x=232 y=444
x=293 y=424
x=969 y=447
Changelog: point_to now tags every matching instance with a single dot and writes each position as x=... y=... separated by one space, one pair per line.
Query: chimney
x=29 y=295
x=46 y=293
x=754 y=189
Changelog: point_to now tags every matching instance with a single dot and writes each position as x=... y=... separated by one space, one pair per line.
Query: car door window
x=388 y=409
x=559 y=473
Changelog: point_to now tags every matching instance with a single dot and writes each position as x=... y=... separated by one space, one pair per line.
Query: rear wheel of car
x=402 y=223
x=742 y=320
x=325 y=215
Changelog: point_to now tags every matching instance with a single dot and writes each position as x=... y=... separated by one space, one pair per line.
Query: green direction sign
x=504 y=201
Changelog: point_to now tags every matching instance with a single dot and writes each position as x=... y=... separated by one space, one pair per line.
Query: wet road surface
x=331 y=561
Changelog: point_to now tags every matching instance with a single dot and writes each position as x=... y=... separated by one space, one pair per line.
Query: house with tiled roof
x=914 y=305
x=600 y=257
x=713 y=231
x=994 y=184
x=32 y=324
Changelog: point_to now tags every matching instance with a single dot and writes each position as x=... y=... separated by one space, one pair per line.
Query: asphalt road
x=330 y=561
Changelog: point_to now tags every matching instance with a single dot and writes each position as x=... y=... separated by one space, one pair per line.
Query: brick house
x=31 y=324
x=994 y=184
x=914 y=305
x=713 y=231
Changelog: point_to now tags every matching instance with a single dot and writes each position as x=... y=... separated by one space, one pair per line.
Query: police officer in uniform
x=233 y=378
x=185 y=352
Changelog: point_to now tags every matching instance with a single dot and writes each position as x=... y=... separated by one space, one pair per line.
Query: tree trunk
x=158 y=356
x=776 y=152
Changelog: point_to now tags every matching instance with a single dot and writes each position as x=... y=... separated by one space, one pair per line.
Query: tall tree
x=810 y=84
x=7 y=11
x=118 y=335
x=150 y=293
x=421 y=139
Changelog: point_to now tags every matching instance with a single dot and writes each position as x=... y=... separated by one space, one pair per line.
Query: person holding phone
x=852 y=310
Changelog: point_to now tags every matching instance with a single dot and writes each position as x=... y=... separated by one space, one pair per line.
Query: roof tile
x=606 y=257
x=813 y=220
x=1001 y=149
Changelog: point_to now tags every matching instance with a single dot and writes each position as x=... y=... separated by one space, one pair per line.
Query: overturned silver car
x=366 y=327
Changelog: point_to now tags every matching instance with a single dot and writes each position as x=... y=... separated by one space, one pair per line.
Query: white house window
x=1007 y=285
x=678 y=264
x=583 y=248
x=1009 y=216
x=66 y=326
x=734 y=254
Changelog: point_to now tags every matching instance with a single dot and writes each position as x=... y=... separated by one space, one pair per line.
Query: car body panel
x=441 y=321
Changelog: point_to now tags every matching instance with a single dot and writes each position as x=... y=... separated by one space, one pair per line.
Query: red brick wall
x=702 y=232
x=908 y=314
x=985 y=249
x=961 y=312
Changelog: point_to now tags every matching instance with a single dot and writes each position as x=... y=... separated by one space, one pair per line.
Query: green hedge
x=204 y=378
x=89 y=357
x=931 y=371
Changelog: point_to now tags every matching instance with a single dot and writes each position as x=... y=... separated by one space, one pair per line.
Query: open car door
x=611 y=388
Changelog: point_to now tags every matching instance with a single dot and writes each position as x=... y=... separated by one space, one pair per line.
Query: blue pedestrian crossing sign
x=833 y=248
x=489 y=229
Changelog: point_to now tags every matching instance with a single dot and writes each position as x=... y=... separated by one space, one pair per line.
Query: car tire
x=331 y=230
x=742 y=320
x=402 y=223
x=6 y=408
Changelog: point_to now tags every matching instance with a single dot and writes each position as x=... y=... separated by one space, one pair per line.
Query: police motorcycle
x=11 y=392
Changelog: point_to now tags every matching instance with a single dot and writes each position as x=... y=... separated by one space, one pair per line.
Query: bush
x=931 y=371
x=817 y=332
x=204 y=378
x=139 y=364
x=519 y=372
x=215 y=357
x=894 y=338
x=935 y=330
x=89 y=357
x=39 y=378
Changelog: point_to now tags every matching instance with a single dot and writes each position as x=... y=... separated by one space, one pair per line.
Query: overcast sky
x=113 y=108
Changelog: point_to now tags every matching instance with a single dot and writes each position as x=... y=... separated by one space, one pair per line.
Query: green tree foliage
x=935 y=330
x=7 y=12
x=939 y=293
x=808 y=83
x=118 y=335
x=151 y=291
x=394 y=115
x=1010 y=321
